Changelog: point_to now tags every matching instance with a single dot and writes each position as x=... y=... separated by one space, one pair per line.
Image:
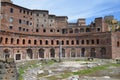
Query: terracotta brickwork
x=35 y=34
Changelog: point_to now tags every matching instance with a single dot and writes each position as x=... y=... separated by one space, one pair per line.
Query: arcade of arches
x=43 y=53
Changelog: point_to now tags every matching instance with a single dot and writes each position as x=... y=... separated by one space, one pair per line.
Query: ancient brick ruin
x=8 y=69
x=27 y=34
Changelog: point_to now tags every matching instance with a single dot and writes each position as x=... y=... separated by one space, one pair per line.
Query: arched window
x=70 y=30
x=76 y=31
x=46 y=42
x=51 y=30
x=29 y=54
x=82 y=52
x=18 y=41
x=12 y=40
x=6 y=40
x=73 y=52
x=35 y=42
x=81 y=30
x=67 y=42
x=29 y=41
x=37 y=30
x=7 y=53
x=52 y=52
x=52 y=42
x=57 y=42
x=23 y=41
x=40 y=42
x=41 y=53
x=87 y=29
x=72 y=42
x=77 y=42
x=62 y=42
x=93 y=53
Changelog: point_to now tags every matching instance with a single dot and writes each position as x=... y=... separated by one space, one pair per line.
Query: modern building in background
x=27 y=34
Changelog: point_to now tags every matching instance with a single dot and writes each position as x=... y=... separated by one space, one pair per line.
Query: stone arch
x=63 y=52
x=41 y=53
x=29 y=53
x=82 y=30
x=73 y=52
x=83 y=52
x=70 y=30
x=103 y=52
x=76 y=31
x=52 y=52
x=93 y=52
x=6 y=53
x=87 y=29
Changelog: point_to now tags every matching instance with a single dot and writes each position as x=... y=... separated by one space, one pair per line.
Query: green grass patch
x=65 y=75
x=24 y=67
x=52 y=78
x=88 y=71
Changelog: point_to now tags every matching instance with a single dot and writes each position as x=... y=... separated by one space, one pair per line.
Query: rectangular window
x=98 y=41
x=27 y=22
x=23 y=29
x=31 y=13
x=11 y=10
x=92 y=41
x=12 y=40
x=118 y=44
x=20 y=21
x=82 y=42
x=27 y=12
x=52 y=42
x=10 y=27
x=27 y=30
x=67 y=42
x=20 y=10
x=77 y=42
x=24 y=11
x=6 y=40
x=20 y=28
x=37 y=14
x=87 y=41
x=1 y=40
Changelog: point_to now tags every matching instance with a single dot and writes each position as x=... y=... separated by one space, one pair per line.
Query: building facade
x=27 y=34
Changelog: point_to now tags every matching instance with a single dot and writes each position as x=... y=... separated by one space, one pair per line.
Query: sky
x=75 y=9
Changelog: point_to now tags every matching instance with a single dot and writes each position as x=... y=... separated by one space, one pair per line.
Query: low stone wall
x=8 y=69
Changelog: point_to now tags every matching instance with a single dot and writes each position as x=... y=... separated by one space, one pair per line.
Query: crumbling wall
x=8 y=69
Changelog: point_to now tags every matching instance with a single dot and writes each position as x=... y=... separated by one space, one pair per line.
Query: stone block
x=10 y=60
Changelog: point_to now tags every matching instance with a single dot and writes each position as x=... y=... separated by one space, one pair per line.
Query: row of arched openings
x=41 y=53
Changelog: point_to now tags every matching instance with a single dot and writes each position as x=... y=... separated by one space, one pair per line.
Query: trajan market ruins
x=27 y=34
